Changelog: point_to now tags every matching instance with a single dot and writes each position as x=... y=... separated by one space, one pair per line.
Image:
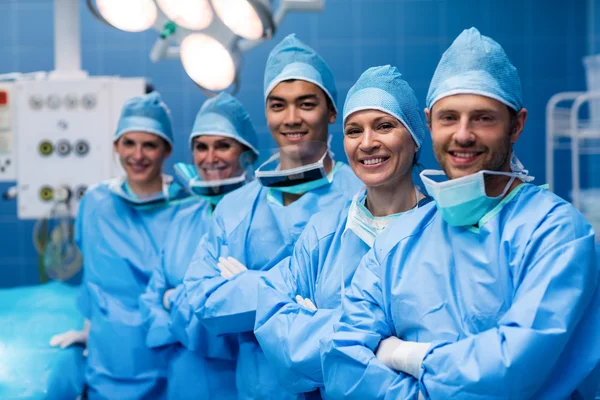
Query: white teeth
x=294 y=135
x=373 y=161
x=465 y=155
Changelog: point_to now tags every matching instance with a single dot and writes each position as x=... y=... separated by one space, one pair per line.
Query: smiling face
x=217 y=157
x=298 y=115
x=379 y=148
x=142 y=156
x=471 y=133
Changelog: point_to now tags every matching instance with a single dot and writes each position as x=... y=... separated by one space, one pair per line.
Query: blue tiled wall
x=546 y=40
x=596 y=31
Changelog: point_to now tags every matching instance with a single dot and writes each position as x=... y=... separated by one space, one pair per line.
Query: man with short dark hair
x=255 y=227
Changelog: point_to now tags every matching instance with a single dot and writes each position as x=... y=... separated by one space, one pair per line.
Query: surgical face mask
x=364 y=224
x=295 y=180
x=212 y=191
x=120 y=187
x=366 y=227
x=169 y=192
x=517 y=167
x=463 y=201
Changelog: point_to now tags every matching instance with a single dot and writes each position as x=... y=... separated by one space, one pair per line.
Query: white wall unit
x=8 y=169
x=64 y=131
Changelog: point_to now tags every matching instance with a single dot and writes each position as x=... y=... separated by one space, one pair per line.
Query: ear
x=116 y=145
x=332 y=116
x=428 y=117
x=168 y=151
x=519 y=126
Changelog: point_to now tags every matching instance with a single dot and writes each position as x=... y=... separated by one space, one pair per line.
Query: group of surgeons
x=311 y=278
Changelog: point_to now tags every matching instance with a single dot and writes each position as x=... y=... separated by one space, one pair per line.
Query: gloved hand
x=66 y=339
x=230 y=267
x=402 y=355
x=166 y=303
x=306 y=303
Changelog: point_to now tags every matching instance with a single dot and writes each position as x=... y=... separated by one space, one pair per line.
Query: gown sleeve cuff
x=174 y=295
x=409 y=356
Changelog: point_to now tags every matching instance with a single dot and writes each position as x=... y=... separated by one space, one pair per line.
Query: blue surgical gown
x=511 y=307
x=325 y=254
x=252 y=225
x=209 y=371
x=120 y=244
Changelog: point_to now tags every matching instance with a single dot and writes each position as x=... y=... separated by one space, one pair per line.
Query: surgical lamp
x=208 y=36
x=130 y=16
x=248 y=19
x=190 y=14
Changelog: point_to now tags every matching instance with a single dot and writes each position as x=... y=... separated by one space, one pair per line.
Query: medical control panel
x=64 y=132
x=7 y=159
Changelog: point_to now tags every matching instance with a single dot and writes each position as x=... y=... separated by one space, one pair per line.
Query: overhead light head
x=208 y=62
x=250 y=19
x=130 y=15
x=190 y=14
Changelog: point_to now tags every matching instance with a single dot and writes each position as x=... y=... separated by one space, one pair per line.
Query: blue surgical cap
x=224 y=115
x=146 y=113
x=476 y=64
x=383 y=89
x=292 y=59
